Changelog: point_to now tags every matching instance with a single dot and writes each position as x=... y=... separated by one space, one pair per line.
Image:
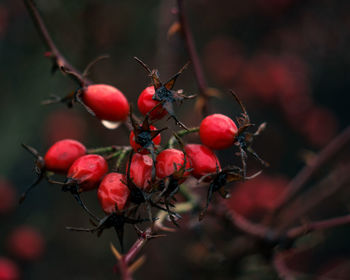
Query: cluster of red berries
x=153 y=174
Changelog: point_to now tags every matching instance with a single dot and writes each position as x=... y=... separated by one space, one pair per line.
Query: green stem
x=121 y=157
x=188 y=194
x=181 y=133
x=108 y=149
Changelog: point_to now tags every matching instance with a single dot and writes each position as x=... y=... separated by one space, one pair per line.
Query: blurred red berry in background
x=4 y=19
x=223 y=59
x=255 y=198
x=320 y=126
x=8 y=269
x=26 y=243
x=8 y=196
x=64 y=123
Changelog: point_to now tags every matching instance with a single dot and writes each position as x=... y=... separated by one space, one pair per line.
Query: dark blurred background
x=287 y=59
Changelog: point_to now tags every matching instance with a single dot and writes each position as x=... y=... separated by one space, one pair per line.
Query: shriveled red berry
x=88 y=171
x=169 y=161
x=217 y=131
x=26 y=243
x=141 y=170
x=146 y=103
x=8 y=195
x=143 y=138
x=62 y=154
x=203 y=160
x=107 y=102
x=8 y=269
x=113 y=193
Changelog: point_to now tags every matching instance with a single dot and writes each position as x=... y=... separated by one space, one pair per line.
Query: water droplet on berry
x=110 y=125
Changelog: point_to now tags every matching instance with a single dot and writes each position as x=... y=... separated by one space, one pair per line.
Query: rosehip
x=107 y=102
x=8 y=269
x=7 y=197
x=141 y=170
x=113 y=193
x=88 y=171
x=26 y=243
x=203 y=160
x=217 y=131
x=146 y=103
x=62 y=154
x=170 y=161
x=144 y=137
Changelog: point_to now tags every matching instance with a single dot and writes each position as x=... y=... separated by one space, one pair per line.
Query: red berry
x=137 y=147
x=8 y=269
x=88 y=171
x=26 y=243
x=107 y=102
x=62 y=154
x=146 y=103
x=141 y=170
x=8 y=195
x=170 y=161
x=203 y=160
x=217 y=131
x=113 y=192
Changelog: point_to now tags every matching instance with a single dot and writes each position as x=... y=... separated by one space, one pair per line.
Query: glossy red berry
x=62 y=154
x=203 y=160
x=137 y=147
x=8 y=270
x=113 y=193
x=107 y=102
x=217 y=131
x=26 y=243
x=141 y=170
x=169 y=161
x=146 y=103
x=88 y=171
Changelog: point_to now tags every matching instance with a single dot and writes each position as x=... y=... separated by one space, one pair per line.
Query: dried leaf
x=173 y=29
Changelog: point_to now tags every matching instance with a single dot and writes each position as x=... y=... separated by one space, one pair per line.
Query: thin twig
x=315 y=196
x=333 y=148
x=191 y=48
x=320 y=225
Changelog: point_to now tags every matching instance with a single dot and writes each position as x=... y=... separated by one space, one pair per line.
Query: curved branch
x=59 y=60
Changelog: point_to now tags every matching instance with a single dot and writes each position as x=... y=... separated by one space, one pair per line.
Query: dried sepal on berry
x=244 y=139
x=164 y=93
x=145 y=137
x=172 y=178
x=39 y=169
x=116 y=220
x=220 y=180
